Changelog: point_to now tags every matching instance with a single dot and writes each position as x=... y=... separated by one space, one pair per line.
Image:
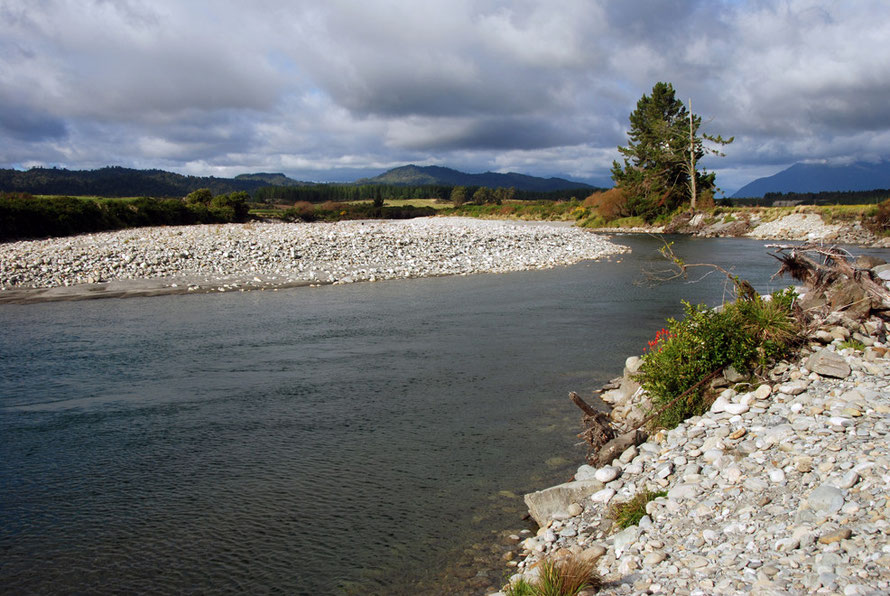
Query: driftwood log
x=597 y=426
x=821 y=267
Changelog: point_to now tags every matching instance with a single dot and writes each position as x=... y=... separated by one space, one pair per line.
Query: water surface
x=343 y=439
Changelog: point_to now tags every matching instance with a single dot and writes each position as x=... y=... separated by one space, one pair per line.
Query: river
x=366 y=438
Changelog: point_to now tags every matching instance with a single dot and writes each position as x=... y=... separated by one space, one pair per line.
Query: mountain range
x=820 y=177
x=116 y=181
x=124 y=182
x=412 y=175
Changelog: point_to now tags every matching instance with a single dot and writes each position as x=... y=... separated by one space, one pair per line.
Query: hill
x=813 y=178
x=117 y=182
x=271 y=179
x=412 y=175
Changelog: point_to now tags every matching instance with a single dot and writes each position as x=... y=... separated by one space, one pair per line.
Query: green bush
x=24 y=216
x=744 y=334
x=330 y=211
x=878 y=219
x=232 y=207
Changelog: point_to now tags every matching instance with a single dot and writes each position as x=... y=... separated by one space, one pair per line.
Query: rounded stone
x=653 y=559
x=603 y=496
x=826 y=499
x=607 y=474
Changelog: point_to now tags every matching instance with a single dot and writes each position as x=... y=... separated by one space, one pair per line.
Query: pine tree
x=664 y=147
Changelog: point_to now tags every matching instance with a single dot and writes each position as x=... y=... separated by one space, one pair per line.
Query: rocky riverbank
x=764 y=224
x=146 y=261
x=783 y=487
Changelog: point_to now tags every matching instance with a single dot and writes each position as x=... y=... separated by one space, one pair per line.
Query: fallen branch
x=598 y=429
x=585 y=407
x=797 y=262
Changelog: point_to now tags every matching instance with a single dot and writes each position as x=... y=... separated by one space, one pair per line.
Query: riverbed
x=368 y=438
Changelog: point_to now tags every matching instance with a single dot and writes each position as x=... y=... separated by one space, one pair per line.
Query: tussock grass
x=631 y=512
x=560 y=577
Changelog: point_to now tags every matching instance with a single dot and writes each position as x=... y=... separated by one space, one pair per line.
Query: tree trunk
x=692 y=188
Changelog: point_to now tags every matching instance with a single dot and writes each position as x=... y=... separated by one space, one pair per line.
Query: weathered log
x=819 y=276
x=585 y=407
x=597 y=426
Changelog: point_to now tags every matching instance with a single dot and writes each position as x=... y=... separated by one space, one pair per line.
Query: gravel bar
x=163 y=260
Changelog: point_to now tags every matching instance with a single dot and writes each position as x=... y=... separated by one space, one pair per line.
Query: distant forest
x=831 y=197
x=117 y=182
x=127 y=182
x=320 y=193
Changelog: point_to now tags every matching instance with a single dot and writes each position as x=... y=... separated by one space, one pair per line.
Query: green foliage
x=117 y=182
x=744 y=334
x=630 y=513
x=528 y=210
x=854 y=344
x=559 y=577
x=342 y=193
x=657 y=170
x=768 y=323
x=458 y=195
x=483 y=195
x=879 y=221
x=825 y=197
x=202 y=196
x=230 y=207
x=520 y=588
x=331 y=211
x=25 y=216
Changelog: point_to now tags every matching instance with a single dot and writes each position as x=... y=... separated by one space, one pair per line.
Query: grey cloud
x=347 y=87
x=503 y=133
x=27 y=125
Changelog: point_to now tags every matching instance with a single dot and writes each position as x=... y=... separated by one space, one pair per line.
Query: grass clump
x=630 y=513
x=852 y=343
x=559 y=577
x=745 y=334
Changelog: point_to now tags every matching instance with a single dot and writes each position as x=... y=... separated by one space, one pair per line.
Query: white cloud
x=345 y=87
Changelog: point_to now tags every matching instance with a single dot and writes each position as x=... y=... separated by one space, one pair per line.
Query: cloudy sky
x=333 y=90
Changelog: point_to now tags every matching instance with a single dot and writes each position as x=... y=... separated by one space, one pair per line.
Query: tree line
x=24 y=216
x=343 y=193
x=828 y=197
x=117 y=182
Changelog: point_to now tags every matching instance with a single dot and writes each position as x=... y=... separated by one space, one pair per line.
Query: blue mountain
x=817 y=177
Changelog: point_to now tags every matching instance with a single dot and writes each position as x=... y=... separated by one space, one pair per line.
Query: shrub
x=744 y=334
x=201 y=196
x=609 y=205
x=232 y=207
x=879 y=222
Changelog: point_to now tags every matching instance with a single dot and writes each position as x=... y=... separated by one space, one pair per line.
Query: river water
x=356 y=439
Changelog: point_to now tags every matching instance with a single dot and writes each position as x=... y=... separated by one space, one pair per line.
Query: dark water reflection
x=348 y=439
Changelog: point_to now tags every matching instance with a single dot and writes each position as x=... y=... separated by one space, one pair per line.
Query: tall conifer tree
x=662 y=155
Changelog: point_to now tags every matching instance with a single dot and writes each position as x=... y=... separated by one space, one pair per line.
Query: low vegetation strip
x=25 y=216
